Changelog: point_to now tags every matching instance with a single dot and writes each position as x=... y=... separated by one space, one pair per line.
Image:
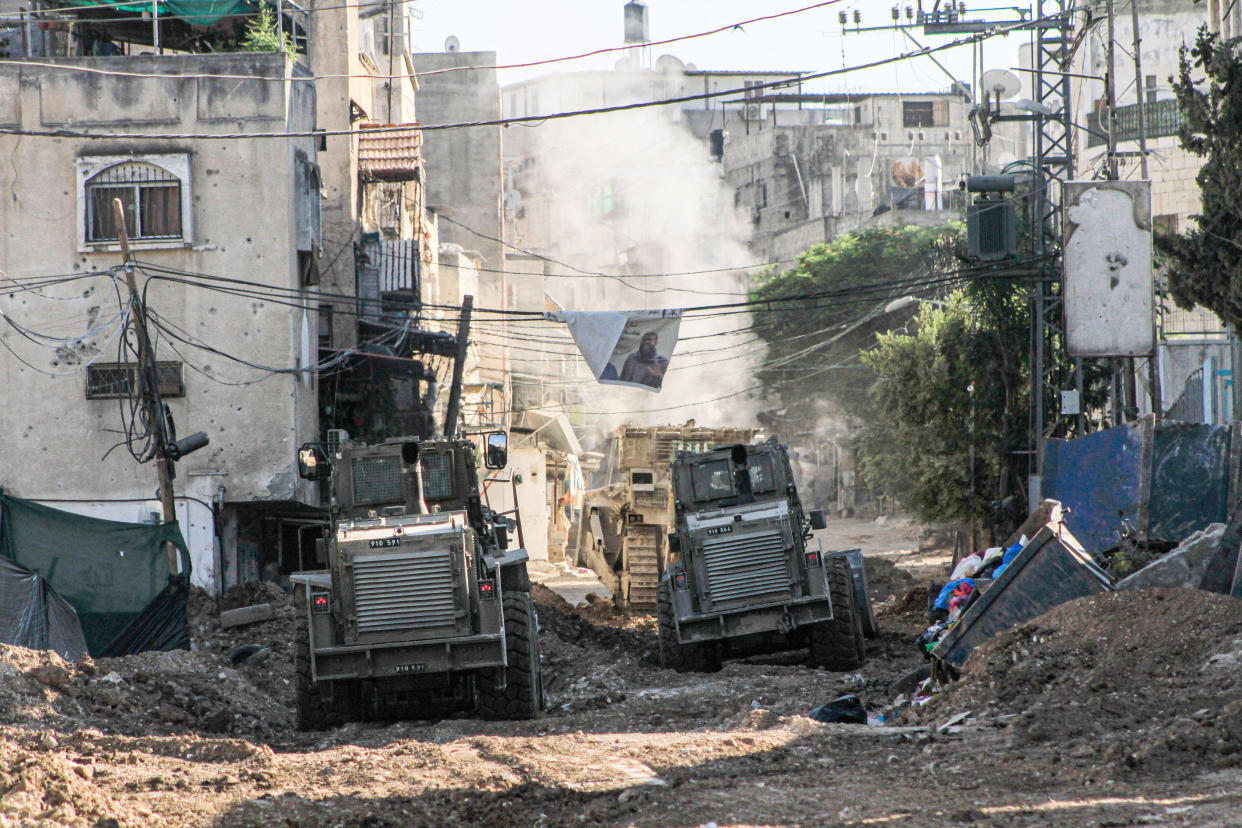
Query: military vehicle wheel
x=839 y=644
x=703 y=657
x=523 y=695
x=321 y=705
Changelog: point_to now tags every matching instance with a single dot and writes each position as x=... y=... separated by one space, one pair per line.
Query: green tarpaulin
x=193 y=12
x=109 y=571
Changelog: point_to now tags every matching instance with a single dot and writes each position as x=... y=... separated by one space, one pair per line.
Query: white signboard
x=1109 y=304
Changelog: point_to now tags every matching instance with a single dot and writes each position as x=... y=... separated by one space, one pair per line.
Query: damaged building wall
x=59 y=405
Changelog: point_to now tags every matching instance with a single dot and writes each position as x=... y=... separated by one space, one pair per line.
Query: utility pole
x=1129 y=388
x=459 y=367
x=1153 y=364
x=147 y=384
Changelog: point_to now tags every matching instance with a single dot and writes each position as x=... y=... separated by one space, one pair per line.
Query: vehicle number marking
x=720 y=530
x=409 y=668
x=383 y=543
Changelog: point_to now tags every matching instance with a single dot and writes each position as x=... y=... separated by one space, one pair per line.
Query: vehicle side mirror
x=313 y=463
x=497 y=455
x=817 y=519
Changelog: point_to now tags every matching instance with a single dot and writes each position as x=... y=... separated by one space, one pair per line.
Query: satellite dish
x=1001 y=82
x=452 y=44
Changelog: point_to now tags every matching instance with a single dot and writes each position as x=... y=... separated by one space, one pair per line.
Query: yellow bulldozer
x=623 y=531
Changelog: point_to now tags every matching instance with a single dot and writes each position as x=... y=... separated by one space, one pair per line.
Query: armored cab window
x=712 y=480
x=437 y=476
x=377 y=479
x=761 y=477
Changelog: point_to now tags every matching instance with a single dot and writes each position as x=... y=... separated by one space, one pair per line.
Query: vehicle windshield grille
x=378 y=479
x=437 y=476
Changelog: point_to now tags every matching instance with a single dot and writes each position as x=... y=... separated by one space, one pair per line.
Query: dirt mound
x=1146 y=680
x=593 y=628
x=912 y=603
x=591 y=662
x=41 y=787
x=885 y=580
x=200 y=690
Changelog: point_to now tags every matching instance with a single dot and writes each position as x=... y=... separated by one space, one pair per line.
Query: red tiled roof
x=391 y=155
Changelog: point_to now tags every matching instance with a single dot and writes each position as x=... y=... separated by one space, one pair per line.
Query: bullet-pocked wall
x=199 y=211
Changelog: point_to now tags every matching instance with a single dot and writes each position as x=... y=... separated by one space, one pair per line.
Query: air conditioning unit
x=753 y=112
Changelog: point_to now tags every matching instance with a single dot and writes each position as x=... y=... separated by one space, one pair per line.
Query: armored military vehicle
x=743 y=575
x=423 y=606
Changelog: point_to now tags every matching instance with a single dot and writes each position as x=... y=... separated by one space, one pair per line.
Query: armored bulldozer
x=743 y=575
x=423 y=608
x=622 y=536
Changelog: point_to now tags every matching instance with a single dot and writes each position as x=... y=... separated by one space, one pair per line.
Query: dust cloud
x=633 y=195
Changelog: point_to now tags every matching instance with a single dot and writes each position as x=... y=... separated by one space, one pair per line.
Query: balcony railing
x=1163 y=118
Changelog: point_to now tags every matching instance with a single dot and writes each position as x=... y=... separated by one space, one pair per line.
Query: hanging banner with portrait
x=624 y=347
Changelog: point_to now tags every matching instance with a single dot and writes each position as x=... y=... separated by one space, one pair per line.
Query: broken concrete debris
x=247 y=615
x=1184 y=566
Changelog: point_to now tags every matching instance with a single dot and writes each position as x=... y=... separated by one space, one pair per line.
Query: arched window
x=151 y=196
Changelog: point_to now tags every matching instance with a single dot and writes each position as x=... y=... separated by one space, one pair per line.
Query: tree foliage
x=1205 y=263
x=959 y=381
x=862 y=272
x=263 y=34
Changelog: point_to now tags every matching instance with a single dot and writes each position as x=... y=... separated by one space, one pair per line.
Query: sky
x=812 y=41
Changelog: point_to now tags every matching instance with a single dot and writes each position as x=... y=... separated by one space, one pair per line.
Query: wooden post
x=146 y=384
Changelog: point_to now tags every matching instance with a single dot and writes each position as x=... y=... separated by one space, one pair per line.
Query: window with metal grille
x=109 y=380
x=918 y=114
x=150 y=195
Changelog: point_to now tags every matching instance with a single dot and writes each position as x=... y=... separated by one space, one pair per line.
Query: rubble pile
x=1145 y=680
x=590 y=663
x=165 y=692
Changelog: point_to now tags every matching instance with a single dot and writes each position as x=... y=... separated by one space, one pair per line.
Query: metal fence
x=1163 y=118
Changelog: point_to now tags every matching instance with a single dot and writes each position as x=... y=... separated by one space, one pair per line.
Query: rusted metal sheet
x=1147 y=481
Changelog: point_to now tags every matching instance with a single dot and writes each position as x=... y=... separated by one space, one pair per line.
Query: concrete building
x=202 y=207
x=464 y=194
x=464 y=165
x=816 y=166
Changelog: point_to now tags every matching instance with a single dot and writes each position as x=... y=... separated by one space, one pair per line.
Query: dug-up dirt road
x=1124 y=709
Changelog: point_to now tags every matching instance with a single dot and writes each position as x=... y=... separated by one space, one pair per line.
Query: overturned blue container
x=1050 y=570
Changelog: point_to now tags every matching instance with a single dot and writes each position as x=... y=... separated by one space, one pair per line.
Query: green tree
x=1204 y=264
x=945 y=429
x=860 y=273
x=263 y=34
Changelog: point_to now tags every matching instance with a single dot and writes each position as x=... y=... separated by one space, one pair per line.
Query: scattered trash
x=966 y=567
x=1050 y=570
x=953 y=720
x=843 y=709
